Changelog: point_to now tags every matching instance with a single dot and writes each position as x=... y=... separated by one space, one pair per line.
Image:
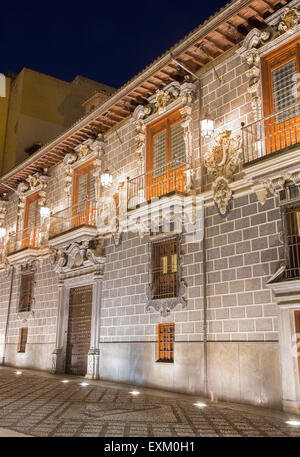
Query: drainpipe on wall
x=204 y=284
x=205 y=380
x=8 y=313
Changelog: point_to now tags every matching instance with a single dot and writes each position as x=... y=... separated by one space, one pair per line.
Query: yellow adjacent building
x=37 y=108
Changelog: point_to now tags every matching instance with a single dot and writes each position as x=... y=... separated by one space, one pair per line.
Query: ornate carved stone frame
x=89 y=274
x=165 y=305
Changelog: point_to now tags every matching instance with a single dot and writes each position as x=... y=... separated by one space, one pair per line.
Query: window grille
x=26 y=292
x=178 y=155
x=159 y=154
x=165 y=269
x=285 y=90
x=293 y=242
x=22 y=339
x=166 y=340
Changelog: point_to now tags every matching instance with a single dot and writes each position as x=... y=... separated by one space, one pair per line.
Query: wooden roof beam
x=225 y=36
x=257 y=13
x=195 y=57
x=210 y=40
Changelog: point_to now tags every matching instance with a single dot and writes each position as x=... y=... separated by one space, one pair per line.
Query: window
x=166 y=156
x=165 y=269
x=280 y=76
x=26 y=292
x=31 y=221
x=83 y=211
x=22 y=339
x=166 y=339
x=293 y=241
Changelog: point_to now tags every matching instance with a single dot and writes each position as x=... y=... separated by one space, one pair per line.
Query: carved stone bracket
x=69 y=159
x=274 y=185
x=221 y=162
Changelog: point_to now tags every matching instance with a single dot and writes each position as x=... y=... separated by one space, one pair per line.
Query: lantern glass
x=207 y=127
x=106 y=179
x=2 y=232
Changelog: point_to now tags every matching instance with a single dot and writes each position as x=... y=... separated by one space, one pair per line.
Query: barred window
x=177 y=146
x=166 y=340
x=22 y=339
x=293 y=242
x=165 y=269
x=285 y=90
x=26 y=292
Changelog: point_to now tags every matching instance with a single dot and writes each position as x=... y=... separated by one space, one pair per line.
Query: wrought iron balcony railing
x=272 y=134
x=26 y=238
x=80 y=214
x=174 y=176
x=291 y=215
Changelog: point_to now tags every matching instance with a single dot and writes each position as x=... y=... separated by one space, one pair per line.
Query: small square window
x=166 y=340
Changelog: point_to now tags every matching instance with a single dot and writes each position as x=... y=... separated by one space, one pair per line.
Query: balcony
x=173 y=177
x=29 y=242
x=277 y=133
x=74 y=223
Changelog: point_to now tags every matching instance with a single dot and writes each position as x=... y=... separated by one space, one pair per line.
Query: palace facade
x=157 y=240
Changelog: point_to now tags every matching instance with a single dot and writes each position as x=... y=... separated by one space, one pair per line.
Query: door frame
x=60 y=352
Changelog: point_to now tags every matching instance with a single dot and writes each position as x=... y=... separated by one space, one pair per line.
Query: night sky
x=109 y=41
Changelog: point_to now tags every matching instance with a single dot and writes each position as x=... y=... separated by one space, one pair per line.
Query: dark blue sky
x=106 y=41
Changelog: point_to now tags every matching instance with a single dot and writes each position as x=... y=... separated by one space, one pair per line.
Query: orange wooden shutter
x=280 y=90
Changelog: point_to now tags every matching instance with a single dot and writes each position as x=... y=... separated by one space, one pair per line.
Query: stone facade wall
x=243 y=249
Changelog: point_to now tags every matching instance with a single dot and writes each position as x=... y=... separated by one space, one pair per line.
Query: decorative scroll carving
x=78 y=255
x=84 y=149
x=222 y=162
x=3 y=210
x=166 y=305
x=274 y=185
x=38 y=182
x=289 y=20
x=69 y=159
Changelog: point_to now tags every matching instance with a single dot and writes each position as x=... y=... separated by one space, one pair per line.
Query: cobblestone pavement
x=40 y=404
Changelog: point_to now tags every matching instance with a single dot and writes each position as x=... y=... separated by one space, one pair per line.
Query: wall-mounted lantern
x=207 y=127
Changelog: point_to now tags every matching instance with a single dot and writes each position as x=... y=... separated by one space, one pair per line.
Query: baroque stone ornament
x=78 y=255
x=69 y=159
x=221 y=162
x=37 y=182
x=289 y=20
x=165 y=305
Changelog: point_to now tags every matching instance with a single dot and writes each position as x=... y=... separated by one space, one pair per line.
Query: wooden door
x=31 y=221
x=79 y=330
x=166 y=157
x=280 y=71
x=83 y=210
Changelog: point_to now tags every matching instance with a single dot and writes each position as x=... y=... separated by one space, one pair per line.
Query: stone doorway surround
x=78 y=265
x=287 y=296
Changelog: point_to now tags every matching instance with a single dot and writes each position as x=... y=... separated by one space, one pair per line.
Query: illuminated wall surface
x=37 y=109
x=252 y=299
